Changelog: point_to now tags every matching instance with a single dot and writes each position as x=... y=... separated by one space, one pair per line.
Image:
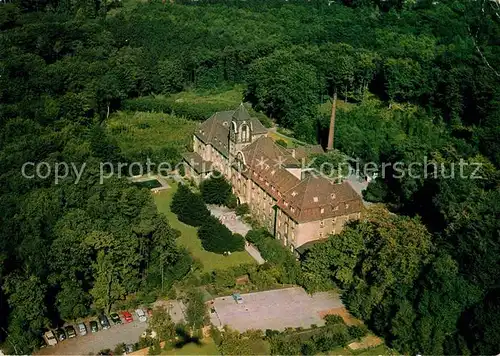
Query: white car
x=82 y=329
x=141 y=315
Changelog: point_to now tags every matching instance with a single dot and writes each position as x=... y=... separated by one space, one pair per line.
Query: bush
x=216 y=189
x=274 y=252
x=334 y=320
x=216 y=237
x=242 y=209
x=232 y=201
x=189 y=207
x=357 y=331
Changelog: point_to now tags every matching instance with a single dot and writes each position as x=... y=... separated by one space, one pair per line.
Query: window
x=322 y=210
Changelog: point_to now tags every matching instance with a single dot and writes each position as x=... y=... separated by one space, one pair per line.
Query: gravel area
x=274 y=309
x=103 y=339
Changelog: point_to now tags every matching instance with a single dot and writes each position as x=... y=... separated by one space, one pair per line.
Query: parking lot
x=275 y=309
x=95 y=342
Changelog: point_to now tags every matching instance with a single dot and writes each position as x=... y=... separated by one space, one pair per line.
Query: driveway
x=274 y=309
x=103 y=339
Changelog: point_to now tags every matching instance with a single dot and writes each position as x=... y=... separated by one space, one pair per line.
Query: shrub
x=357 y=331
x=216 y=237
x=308 y=348
x=271 y=333
x=242 y=209
x=232 y=201
x=334 y=320
x=189 y=207
x=224 y=278
x=273 y=251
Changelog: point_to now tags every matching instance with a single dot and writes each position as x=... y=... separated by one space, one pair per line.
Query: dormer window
x=336 y=208
x=322 y=210
x=347 y=206
x=332 y=196
x=315 y=199
x=294 y=193
x=272 y=172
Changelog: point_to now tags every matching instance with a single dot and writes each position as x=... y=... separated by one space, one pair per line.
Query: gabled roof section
x=317 y=198
x=215 y=129
x=197 y=162
x=305 y=151
x=265 y=149
x=241 y=114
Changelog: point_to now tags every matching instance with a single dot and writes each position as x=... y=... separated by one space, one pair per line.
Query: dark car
x=70 y=330
x=103 y=320
x=115 y=318
x=60 y=334
x=93 y=326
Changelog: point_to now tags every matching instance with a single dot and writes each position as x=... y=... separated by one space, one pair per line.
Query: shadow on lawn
x=185 y=339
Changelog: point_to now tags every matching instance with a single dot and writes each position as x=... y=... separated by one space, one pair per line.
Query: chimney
x=331 y=132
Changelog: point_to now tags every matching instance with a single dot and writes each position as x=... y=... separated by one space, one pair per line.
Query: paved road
x=275 y=309
x=103 y=339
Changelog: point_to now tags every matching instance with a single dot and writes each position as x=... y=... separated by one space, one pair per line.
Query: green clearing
x=143 y=130
x=231 y=97
x=207 y=347
x=189 y=238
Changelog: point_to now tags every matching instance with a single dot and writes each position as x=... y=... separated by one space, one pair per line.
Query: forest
x=412 y=79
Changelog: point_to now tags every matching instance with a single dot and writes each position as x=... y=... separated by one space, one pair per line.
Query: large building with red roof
x=297 y=205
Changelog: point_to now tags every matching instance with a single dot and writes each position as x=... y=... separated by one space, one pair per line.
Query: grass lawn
x=140 y=130
x=230 y=97
x=207 y=347
x=189 y=238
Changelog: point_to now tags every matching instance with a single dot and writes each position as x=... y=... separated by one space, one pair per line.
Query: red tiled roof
x=317 y=198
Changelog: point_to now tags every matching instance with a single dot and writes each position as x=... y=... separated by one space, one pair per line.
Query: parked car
x=127 y=317
x=70 y=331
x=82 y=329
x=238 y=298
x=115 y=318
x=141 y=315
x=103 y=320
x=60 y=334
x=50 y=338
x=93 y=326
